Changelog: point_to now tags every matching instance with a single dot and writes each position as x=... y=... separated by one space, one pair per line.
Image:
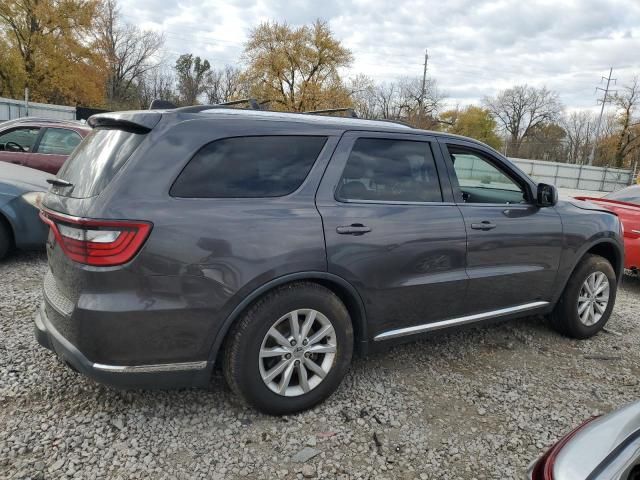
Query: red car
x=626 y=204
x=39 y=143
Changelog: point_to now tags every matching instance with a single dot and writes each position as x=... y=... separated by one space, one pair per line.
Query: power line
x=605 y=99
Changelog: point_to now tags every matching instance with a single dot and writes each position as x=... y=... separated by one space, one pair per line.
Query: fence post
x=579 y=177
x=604 y=178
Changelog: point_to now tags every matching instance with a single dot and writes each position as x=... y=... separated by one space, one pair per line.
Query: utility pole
x=424 y=82
x=604 y=100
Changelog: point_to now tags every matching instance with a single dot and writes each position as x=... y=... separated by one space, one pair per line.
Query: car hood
x=23 y=178
x=585 y=205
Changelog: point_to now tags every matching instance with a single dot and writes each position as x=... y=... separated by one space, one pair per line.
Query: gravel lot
x=475 y=404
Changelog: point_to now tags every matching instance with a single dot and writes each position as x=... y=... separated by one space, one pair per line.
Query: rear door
x=54 y=147
x=391 y=231
x=513 y=246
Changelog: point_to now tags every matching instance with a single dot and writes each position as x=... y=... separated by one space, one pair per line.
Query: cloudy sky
x=476 y=47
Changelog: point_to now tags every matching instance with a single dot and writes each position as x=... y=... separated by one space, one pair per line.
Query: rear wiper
x=58 y=182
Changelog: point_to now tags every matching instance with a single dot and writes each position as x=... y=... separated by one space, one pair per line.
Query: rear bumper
x=171 y=375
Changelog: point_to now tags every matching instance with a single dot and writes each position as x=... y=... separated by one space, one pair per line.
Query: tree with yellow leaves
x=296 y=69
x=46 y=44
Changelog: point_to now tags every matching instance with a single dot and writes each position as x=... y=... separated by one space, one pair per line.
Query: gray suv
x=278 y=245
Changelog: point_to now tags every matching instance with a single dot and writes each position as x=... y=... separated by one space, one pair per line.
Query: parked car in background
x=40 y=143
x=20 y=191
x=278 y=244
x=602 y=448
x=626 y=204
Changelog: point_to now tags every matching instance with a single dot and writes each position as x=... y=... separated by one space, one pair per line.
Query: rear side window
x=387 y=170
x=245 y=167
x=96 y=161
x=58 y=141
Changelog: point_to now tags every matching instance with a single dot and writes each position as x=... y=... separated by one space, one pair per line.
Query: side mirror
x=547 y=195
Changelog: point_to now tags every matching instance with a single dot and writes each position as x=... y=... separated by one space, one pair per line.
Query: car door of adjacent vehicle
x=392 y=230
x=16 y=144
x=513 y=246
x=53 y=148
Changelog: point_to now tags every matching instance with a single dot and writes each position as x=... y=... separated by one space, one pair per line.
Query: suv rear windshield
x=96 y=161
x=245 y=167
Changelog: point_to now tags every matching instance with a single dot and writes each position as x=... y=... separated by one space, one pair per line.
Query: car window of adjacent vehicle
x=480 y=181
x=58 y=141
x=19 y=139
x=249 y=167
x=389 y=170
x=96 y=161
x=629 y=195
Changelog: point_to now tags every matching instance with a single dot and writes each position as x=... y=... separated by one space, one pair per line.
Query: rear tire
x=280 y=368
x=5 y=239
x=588 y=299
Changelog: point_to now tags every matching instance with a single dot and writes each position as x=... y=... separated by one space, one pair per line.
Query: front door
x=392 y=230
x=17 y=144
x=514 y=246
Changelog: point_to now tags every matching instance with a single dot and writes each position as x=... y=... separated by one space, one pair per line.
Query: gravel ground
x=474 y=404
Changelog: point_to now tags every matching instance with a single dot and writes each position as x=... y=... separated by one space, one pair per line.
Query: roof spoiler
x=141 y=122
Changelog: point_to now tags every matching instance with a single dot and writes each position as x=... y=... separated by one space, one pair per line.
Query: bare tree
x=225 y=84
x=157 y=83
x=627 y=103
x=521 y=109
x=130 y=53
x=580 y=131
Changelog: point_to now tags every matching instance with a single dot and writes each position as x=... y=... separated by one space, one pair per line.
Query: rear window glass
x=96 y=161
x=244 y=167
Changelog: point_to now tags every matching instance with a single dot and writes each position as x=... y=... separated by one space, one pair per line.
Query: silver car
x=602 y=448
x=20 y=190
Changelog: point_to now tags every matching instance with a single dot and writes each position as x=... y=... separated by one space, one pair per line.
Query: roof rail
x=389 y=120
x=349 y=111
x=253 y=103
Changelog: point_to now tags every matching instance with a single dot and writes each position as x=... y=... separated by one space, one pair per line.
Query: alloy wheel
x=593 y=298
x=297 y=352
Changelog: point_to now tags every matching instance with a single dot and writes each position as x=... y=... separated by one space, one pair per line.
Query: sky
x=476 y=47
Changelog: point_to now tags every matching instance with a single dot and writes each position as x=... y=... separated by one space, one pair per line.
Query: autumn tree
x=296 y=69
x=628 y=137
x=522 y=109
x=192 y=74
x=474 y=122
x=129 y=54
x=48 y=51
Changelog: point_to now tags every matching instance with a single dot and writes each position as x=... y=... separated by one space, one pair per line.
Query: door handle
x=484 y=225
x=353 y=229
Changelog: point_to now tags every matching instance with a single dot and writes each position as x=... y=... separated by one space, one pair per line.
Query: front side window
x=480 y=181
x=19 y=139
x=390 y=170
x=58 y=141
x=249 y=167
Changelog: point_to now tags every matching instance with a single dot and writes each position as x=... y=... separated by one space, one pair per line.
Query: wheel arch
x=606 y=248
x=343 y=289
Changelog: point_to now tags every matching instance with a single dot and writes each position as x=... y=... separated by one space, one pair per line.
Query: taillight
x=103 y=243
x=543 y=468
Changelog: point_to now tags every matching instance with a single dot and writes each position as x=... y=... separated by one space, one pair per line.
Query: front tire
x=5 y=239
x=290 y=350
x=588 y=299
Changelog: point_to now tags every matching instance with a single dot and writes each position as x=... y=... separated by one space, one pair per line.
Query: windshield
x=629 y=194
